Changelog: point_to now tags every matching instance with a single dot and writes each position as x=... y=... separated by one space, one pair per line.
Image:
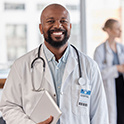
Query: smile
x=57 y=33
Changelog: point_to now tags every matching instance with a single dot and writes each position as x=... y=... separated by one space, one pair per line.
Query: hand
x=120 y=68
x=48 y=121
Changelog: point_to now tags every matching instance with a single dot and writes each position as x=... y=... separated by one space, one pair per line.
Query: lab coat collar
x=118 y=49
x=109 y=49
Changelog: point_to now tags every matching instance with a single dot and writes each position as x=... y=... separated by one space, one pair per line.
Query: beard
x=54 y=43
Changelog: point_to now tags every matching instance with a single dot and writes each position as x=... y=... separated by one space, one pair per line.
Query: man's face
x=55 y=26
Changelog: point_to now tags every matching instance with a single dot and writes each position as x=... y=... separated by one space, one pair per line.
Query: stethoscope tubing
x=44 y=65
x=79 y=64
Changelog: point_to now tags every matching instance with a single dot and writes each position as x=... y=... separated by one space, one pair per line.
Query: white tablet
x=45 y=108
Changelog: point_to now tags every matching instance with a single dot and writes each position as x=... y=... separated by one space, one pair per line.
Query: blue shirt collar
x=49 y=55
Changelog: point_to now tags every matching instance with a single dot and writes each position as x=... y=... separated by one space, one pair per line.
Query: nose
x=57 y=24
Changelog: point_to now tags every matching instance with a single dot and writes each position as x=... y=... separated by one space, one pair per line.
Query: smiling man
x=55 y=26
x=72 y=79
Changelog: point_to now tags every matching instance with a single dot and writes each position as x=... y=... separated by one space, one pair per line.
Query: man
x=81 y=98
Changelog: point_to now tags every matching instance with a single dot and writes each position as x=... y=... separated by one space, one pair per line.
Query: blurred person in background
x=110 y=58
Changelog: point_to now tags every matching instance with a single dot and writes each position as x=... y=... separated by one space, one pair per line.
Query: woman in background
x=110 y=58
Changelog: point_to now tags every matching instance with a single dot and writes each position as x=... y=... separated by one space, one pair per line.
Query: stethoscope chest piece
x=81 y=81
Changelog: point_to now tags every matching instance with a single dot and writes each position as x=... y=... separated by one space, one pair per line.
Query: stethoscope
x=104 y=62
x=44 y=65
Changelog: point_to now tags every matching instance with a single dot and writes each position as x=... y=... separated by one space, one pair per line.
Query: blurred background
x=19 y=26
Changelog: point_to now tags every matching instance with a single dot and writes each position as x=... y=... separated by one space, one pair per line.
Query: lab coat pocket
x=81 y=97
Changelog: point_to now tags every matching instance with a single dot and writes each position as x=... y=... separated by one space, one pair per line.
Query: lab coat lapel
x=118 y=49
x=120 y=54
x=70 y=65
x=47 y=75
x=108 y=48
x=109 y=54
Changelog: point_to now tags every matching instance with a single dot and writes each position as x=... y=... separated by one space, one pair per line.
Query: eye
x=50 y=21
x=63 y=21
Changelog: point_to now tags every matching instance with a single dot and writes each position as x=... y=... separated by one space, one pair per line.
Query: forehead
x=55 y=12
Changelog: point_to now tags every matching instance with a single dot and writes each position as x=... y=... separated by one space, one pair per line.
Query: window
x=14 y=6
x=16 y=41
x=75 y=39
x=72 y=7
x=40 y=7
x=74 y=10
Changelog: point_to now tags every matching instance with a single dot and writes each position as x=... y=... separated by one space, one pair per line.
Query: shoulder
x=87 y=63
x=101 y=46
x=26 y=58
x=100 y=50
x=89 y=67
x=120 y=45
x=85 y=59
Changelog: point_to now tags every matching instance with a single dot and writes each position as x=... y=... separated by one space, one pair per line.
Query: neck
x=112 y=44
x=58 y=52
x=111 y=40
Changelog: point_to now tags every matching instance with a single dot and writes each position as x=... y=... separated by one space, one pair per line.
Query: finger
x=49 y=120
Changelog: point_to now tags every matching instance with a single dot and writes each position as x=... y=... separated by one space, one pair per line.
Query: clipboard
x=45 y=108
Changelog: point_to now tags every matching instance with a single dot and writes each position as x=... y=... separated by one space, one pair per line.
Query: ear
x=40 y=27
x=108 y=30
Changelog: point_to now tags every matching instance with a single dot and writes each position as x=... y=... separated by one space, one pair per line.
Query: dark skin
x=48 y=121
x=55 y=17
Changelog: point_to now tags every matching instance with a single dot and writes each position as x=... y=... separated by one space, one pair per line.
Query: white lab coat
x=109 y=73
x=18 y=99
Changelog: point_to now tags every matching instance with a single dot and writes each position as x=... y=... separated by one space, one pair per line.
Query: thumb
x=49 y=120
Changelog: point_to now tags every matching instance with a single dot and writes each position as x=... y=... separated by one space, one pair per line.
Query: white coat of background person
x=110 y=58
x=18 y=99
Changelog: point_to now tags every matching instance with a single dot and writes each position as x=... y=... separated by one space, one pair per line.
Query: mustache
x=56 y=30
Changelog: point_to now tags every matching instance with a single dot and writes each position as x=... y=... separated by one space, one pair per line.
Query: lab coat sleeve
x=107 y=72
x=98 y=105
x=11 y=103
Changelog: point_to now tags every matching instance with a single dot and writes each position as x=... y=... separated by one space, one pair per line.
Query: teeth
x=57 y=33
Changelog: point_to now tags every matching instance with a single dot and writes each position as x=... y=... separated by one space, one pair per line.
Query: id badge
x=84 y=96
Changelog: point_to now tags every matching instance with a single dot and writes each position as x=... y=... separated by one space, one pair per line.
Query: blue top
x=115 y=59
